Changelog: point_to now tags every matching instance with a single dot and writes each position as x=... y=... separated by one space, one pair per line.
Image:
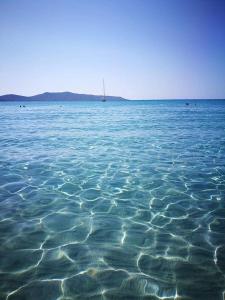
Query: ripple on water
x=38 y=290
x=133 y=209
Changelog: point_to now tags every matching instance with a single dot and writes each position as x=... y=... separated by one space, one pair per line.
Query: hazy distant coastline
x=61 y=96
x=68 y=96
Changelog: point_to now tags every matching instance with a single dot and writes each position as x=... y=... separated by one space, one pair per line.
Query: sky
x=144 y=49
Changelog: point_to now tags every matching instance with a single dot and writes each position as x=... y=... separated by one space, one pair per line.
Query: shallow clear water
x=112 y=200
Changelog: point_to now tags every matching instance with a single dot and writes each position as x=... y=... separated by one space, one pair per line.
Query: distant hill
x=62 y=96
x=12 y=97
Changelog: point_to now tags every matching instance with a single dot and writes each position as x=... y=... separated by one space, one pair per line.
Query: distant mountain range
x=62 y=96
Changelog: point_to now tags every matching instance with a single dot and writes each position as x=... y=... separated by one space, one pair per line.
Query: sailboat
x=103 y=99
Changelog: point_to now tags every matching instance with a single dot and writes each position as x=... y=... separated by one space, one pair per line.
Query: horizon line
x=144 y=99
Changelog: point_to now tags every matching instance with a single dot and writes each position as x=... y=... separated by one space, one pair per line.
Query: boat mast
x=103 y=89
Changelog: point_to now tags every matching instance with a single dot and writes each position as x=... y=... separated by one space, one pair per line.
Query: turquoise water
x=112 y=200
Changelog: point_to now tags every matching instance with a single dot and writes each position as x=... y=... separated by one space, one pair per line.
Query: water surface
x=112 y=200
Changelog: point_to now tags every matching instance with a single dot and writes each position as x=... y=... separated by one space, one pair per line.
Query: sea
x=112 y=200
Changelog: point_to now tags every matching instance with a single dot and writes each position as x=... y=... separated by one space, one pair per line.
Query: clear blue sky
x=143 y=48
